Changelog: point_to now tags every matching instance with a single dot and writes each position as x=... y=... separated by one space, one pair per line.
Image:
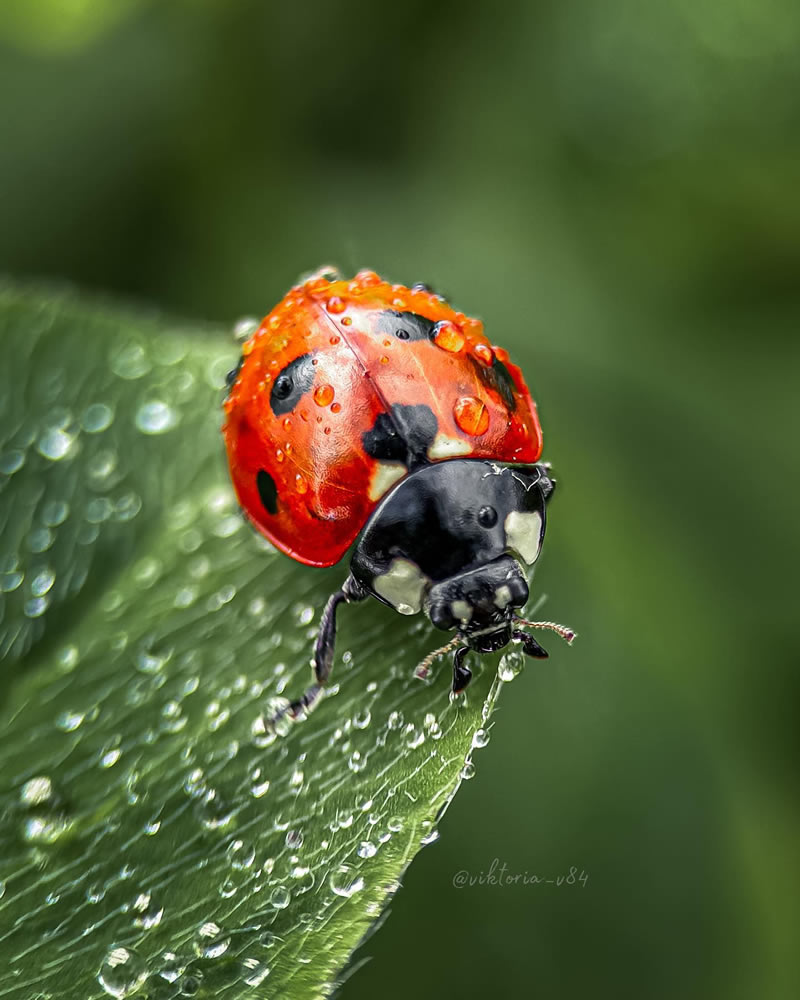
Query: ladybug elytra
x=370 y=413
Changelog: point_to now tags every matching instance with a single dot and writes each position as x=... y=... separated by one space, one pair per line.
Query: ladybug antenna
x=424 y=667
x=567 y=634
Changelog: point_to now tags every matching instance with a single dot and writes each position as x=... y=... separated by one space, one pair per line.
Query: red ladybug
x=371 y=411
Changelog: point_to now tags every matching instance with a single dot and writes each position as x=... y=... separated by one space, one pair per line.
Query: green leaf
x=154 y=837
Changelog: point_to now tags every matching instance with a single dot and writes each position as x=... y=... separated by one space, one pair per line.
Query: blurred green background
x=614 y=188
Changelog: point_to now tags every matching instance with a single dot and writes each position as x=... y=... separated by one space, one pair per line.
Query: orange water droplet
x=336 y=407
x=367 y=278
x=273 y=363
x=335 y=305
x=335 y=339
x=347 y=320
x=274 y=322
x=484 y=353
x=300 y=484
x=399 y=302
x=315 y=361
x=387 y=343
x=279 y=455
x=323 y=395
x=319 y=420
x=288 y=447
x=448 y=337
x=247 y=347
x=287 y=423
x=327 y=430
x=471 y=415
x=384 y=360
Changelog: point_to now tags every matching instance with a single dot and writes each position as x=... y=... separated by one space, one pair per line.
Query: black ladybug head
x=451 y=539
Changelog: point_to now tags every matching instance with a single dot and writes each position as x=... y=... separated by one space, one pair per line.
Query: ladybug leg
x=461 y=675
x=529 y=645
x=323 y=651
x=326 y=638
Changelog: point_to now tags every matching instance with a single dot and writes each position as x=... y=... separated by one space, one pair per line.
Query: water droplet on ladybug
x=287 y=423
x=300 y=484
x=335 y=305
x=346 y=320
x=335 y=339
x=336 y=408
x=484 y=353
x=384 y=360
x=279 y=455
x=367 y=278
x=448 y=337
x=327 y=430
x=323 y=395
x=471 y=415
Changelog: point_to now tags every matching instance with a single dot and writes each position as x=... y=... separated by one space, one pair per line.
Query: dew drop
x=130 y=362
x=511 y=664
x=471 y=415
x=11 y=462
x=414 y=737
x=148 y=914
x=253 y=971
x=484 y=353
x=300 y=484
x=10 y=581
x=36 y=792
x=122 y=972
x=448 y=337
x=170 y=966
x=468 y=770
x=480 y=738
x=395 y=720
x=42 y=582
x=280 y=897
x=335 y=305
x=241 y=855
x=55 y=444
x=55 y=512
x=323 y=394
x=346 y=882
x=366 y=849
x=294 y=839
x=97 y=418
x=245 y=327
x=155 y=417
x=68 y=722
x=362 y=719
x=210 y=940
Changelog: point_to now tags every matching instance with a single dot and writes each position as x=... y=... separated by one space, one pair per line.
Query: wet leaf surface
x=155 y=839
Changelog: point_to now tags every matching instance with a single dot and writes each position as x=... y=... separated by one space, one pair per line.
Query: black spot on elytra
x=290 y=385
x=498 y=377
x=268 y=491
x=402 y=435
x=233 y=374
x=403 y=325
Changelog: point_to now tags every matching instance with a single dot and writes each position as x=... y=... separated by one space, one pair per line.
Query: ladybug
x=371 y=413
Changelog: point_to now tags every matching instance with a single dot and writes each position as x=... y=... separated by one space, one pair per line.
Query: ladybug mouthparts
x=480 y=601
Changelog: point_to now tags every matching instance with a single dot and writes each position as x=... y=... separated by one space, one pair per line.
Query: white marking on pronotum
x=402 y=585
x=502 y=596
x=443 y=446
x=462 y=610
x=524 y=534
x=385 y=476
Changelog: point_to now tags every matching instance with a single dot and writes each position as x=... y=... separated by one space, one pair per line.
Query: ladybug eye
x=487 y=517
x=283 y=386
